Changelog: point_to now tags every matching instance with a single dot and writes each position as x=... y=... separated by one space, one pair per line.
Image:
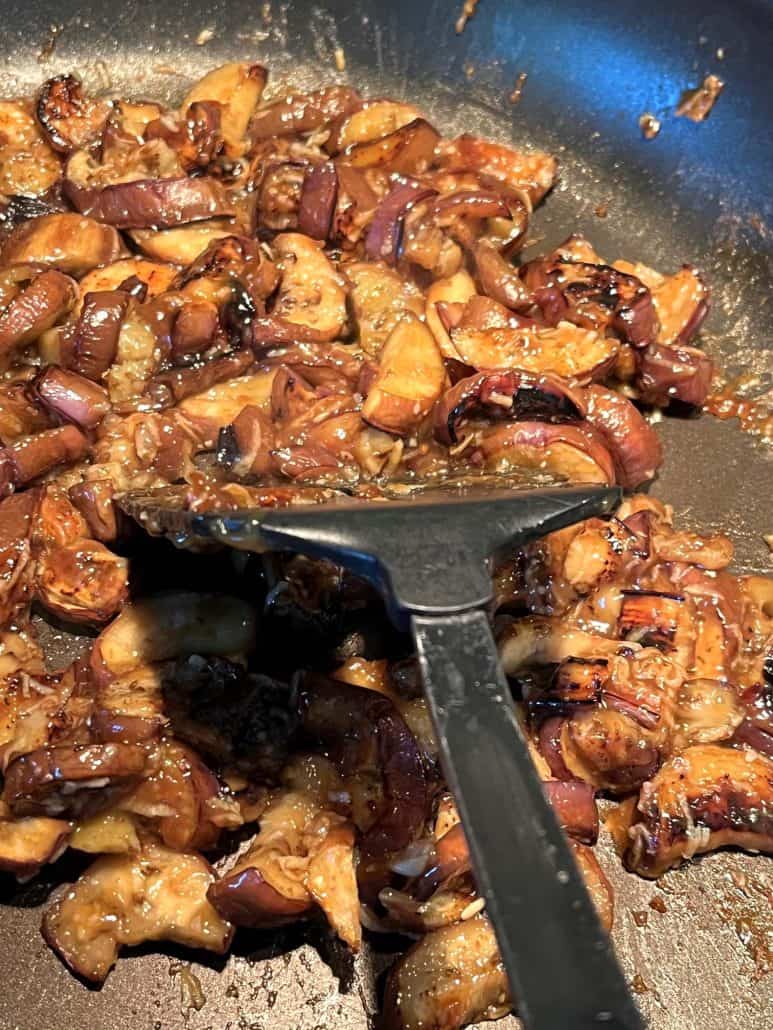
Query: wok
x=697 y=192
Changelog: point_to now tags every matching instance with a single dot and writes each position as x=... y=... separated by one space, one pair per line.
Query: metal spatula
x=431 y=560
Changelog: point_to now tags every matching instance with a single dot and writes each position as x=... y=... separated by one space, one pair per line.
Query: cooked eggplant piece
x=660 y=620
x=608 y=750
x=237 y=89
x=708 y=797
x=70 y=119
x=94 y=500
x=532 y=173
x=130 y=708
x=594 y=297
x=452 y=977
x=246 y=446
x=219 y=405
x=265 y=889
x=170 y=625
x=505 y=395
x=69 y=242
x=634 y=444
x=28 y=844
x=176 y=797
x=408 y=150
x=409 y=381
x=311 y=293
x=379 y=298
x=372 y=120
x=576 y=354
x=37 y=307
x=20 y=415
x=82 y=582
x=111 y=832
x=707 y=712
x=457 y=289
x=385 y=233
x=72 y=781
x=677 y=373
x=681 y=300
x=28 y=166
x=303 y=112
x=32 y=456
x=571 y=451
x=145 y=188
x=71 y=397
x=181 y=246
x=317 y=202
x=156 y=895
x=372 y=740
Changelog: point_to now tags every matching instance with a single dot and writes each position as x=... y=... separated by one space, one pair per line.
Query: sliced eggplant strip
x=151 y=203
x=181 y=246
x=634 y=444
x=372 y=120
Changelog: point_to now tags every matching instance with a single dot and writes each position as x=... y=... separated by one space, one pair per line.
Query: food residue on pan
x=517 y=92
x=649 y=125
x=731 y=400
x=204 y=37
x=697 y=104
x=467 y=12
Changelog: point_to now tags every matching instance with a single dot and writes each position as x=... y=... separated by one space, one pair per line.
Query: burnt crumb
x=517 y=92
x=697 y=104
x=649 y=125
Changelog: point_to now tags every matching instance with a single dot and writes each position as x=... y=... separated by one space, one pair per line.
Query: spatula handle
x=560 y=963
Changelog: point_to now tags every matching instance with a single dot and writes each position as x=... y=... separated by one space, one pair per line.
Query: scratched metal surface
x=700 y=956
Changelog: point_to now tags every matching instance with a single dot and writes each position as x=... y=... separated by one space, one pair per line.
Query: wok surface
x=698 y=193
